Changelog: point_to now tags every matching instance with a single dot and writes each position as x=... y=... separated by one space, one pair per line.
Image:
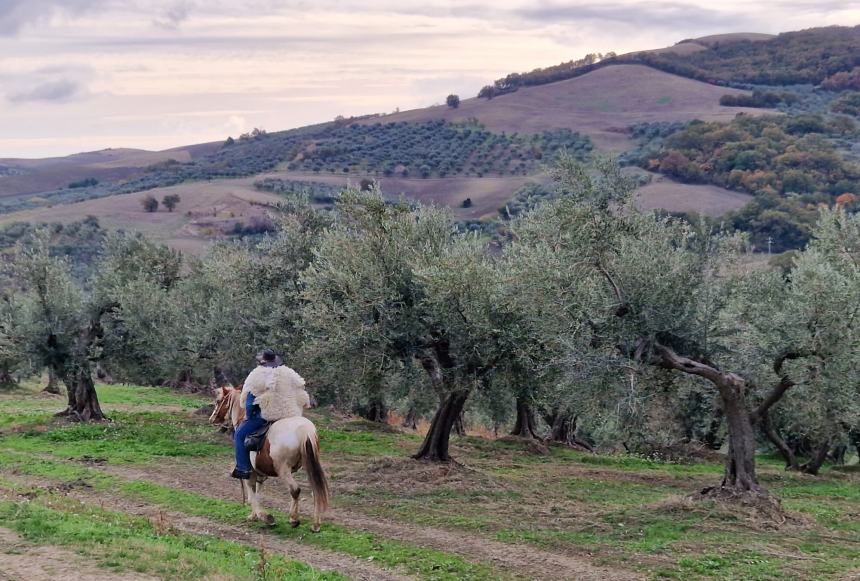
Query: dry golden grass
x=601 y=104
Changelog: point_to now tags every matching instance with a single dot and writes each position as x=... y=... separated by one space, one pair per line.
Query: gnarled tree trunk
x=740 y=471
x=6 y=378
x=563 y=430
x=814 y=465
x=854 y=436
x=374 y=411
x=524 y=427
x=53 y=386
x=83 y=401
x=435 y=445
x=740 y=474
x=410 y=421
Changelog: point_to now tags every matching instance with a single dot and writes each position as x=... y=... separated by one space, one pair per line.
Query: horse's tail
x=316 y=475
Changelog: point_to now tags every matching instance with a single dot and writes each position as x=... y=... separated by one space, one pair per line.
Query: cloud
x=15 y=14
x=58 y=91
x=660 y=15
x=174 y=15
x=57 y=83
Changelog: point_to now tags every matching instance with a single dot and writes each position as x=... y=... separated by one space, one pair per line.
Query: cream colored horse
x=290 y=444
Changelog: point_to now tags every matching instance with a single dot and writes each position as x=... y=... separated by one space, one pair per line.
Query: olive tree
x=243 y=296
x=652 y=292
x=58 y=325
x=136 y=280
x=391 y=286
x=804 y=331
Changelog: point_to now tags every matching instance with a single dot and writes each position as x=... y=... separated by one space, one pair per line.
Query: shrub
x=149 y=204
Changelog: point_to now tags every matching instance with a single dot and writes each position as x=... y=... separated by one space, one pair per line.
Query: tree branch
x=785 y=383
x=669 y=358
x=623 y=307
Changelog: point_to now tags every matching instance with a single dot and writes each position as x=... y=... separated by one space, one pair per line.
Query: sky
x=84 y=75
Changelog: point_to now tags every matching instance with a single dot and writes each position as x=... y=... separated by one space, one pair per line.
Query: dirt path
x=21 y=560
x=321 y=559
x=524 y=560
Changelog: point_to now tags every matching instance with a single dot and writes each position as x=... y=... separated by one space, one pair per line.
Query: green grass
x=110 y=395
x=123 y=543
x=568 y=501
x=23 y=420
x=740 y=565
x=130 y=437
x=365 y=443
x=427 y=563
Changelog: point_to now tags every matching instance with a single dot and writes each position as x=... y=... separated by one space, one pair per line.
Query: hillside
x=475 y=158
x=29 y=176
x=600 y=104
x=805 y=56
x=206 y=211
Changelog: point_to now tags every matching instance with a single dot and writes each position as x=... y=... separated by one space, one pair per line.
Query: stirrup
x=241 y=474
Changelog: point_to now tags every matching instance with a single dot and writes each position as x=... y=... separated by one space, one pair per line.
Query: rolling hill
x=601 y=104
x=484 y=150
x=30 y=176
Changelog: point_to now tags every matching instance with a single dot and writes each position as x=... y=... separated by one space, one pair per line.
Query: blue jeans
x=252 y=422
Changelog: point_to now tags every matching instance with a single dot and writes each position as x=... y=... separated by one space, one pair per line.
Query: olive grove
x=593 y=324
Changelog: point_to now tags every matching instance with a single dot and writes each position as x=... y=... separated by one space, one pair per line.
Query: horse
x=290 y=444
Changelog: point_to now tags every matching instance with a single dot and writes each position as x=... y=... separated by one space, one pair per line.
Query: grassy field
x=149 y=494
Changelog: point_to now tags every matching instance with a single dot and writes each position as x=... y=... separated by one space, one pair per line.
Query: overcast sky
x=80 y=75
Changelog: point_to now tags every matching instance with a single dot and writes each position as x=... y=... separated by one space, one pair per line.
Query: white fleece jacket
x=279 y=391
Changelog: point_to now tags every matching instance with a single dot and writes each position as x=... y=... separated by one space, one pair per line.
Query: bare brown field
x=488 y=194
x=663 y=193
x=209 y=209
x=601 y=104
x=205 y=211
x=106 y=165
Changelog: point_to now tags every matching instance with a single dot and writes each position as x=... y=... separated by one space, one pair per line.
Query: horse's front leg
x=257 y=511
x=250 y=487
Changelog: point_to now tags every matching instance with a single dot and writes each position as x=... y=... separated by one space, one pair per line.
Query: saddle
x=254 y=440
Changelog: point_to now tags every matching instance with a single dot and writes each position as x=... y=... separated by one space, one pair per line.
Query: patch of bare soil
x=394 y=474
x=527 y=561
x=21 y=560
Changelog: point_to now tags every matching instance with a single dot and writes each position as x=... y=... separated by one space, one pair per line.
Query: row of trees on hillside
x=826 y=56
x=812 y=56
x=610 y=326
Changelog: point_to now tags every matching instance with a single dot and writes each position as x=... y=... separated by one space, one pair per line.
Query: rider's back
x=279 y=391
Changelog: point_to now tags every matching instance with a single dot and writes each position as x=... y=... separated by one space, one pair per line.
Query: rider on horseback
x=272 y=392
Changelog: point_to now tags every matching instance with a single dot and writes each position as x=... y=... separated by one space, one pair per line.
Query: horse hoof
x=268 y=519
x=251 y=517
x=315 y=529
x=295 y=523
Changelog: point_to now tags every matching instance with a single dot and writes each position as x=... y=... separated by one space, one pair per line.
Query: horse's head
x=224 y=397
